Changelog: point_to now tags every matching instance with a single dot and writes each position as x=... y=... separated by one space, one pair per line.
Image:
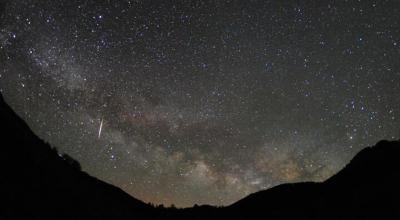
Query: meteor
x=100 y=128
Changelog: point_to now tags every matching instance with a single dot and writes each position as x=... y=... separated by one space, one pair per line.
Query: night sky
x=190 y=102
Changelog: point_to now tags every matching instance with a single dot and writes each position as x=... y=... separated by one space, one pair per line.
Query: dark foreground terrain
x=38 y=183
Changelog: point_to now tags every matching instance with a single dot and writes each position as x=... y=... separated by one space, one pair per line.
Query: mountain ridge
x=38 y=183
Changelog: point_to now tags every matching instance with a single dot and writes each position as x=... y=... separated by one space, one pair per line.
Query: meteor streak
x=100 y=128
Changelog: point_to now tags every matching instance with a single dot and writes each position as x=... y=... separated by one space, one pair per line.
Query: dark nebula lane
x=204 y=101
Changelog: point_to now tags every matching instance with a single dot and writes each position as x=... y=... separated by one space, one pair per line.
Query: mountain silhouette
x=367 y=188
x=38 y=183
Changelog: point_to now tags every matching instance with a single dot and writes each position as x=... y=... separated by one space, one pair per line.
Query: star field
x=184 y=102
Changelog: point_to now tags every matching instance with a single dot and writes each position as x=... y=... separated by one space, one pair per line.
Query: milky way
x=184 y=102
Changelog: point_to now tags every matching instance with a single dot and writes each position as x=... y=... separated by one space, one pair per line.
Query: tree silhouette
x=71 y=161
